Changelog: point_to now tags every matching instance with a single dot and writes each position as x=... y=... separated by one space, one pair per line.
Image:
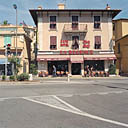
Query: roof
x=122 y=38
x=126 y=19
x=33 y=12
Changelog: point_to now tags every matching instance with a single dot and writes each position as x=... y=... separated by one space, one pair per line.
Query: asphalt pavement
x=58 y=103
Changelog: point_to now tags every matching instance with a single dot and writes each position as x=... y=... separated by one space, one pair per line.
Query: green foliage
x=23 y=77
x=33 y=69
x=112 y=69
x=12 y=78
x=16 y=61
x=3 y=78
x=5 y=22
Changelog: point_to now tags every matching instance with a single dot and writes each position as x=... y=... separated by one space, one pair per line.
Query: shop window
x=75 y=22
x=52 y=22
x=75 y=42
x=97 y=42
x=98 y=65
x=53 y=43
x=97 y=22
x=7 y=40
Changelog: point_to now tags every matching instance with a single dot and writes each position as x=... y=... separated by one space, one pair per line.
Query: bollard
x=69 y=77
x=30 y=77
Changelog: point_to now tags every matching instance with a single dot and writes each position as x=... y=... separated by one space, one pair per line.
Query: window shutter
x=7 y=40
x=52 y=40
x=97 y=39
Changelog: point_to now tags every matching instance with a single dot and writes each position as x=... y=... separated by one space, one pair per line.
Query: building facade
x=121 y=45
x=71 y=39
x=22 y=46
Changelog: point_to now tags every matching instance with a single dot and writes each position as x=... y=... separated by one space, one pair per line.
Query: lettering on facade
x=78 y=52
x=86 y=44
x=64 y=43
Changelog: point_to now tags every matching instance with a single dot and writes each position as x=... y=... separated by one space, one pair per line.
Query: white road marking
x=1 y=100
x=67 y=95
x=77 y=111
x=70 y=106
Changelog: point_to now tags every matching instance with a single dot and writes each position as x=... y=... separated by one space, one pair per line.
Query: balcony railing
x=81 y=28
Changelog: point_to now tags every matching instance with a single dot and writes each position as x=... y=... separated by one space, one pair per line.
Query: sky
x=7 y=12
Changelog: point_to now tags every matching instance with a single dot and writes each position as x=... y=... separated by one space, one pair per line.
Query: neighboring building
x=71 y=39
x=8 y=36
x=31 y=33
x=121 y=45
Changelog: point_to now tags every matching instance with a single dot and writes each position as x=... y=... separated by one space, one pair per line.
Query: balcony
x=81 y=28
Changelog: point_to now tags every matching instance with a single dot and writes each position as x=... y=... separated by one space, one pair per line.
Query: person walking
x=54 y=71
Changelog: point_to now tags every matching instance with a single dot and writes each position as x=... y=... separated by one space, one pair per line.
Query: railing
x=80 y=28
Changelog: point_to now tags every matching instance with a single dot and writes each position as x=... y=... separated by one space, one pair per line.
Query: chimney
x=40 y=7
x=108 y=7
x=61 y=6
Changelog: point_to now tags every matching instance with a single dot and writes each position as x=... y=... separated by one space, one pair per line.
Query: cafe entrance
x=76 y=68
x=60 y=66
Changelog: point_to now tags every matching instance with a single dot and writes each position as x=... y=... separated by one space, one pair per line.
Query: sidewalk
x=39 y=80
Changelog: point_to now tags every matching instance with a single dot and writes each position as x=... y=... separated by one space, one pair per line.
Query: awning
x=52 y=57
x=3 y=61
x=76 y=59
x=100 y=57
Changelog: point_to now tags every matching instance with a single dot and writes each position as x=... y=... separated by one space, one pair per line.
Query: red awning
x=51 y=59
x=76 y=59
x=100 y=58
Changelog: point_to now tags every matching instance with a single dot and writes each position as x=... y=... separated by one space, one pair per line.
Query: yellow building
x=23 y=45
x=121 y=45
x=72 y=39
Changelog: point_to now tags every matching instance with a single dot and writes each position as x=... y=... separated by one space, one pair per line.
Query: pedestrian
x=87 y=69
x=91 y=71
x=54 y=71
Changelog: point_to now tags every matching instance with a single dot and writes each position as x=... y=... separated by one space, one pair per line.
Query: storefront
x=3 y=61
x=74 y=64
x=60 y=66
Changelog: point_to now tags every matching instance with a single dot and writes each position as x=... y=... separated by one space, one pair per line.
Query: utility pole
x=15 y=7
x=6 y=60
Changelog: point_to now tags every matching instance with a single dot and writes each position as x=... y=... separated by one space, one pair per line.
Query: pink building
x=71 y=39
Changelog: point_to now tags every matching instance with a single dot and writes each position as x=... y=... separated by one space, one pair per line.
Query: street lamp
x=15 y=7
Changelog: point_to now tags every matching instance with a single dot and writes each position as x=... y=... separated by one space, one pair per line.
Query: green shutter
x=7 y=40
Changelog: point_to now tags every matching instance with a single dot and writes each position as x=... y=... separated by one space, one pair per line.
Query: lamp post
x=15 y=7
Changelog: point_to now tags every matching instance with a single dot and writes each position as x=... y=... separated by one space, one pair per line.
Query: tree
x=112 y=69
x=16 y=62
x=33 y=69
x=5 y=22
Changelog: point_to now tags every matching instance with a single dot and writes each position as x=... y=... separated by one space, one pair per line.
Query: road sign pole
x=6 y=61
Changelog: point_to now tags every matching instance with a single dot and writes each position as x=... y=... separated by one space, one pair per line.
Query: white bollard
x=69 y=75
x=30 y=77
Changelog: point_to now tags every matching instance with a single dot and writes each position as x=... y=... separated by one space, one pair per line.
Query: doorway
x=76 y=68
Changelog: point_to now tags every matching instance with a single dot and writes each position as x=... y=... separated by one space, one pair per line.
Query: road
x=80 y=103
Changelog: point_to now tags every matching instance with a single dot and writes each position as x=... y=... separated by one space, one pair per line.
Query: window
x=52 y=22
x=53 y=43
x=75 y=22
x=75 y=42
x=7 y=40
x=118 y=47
x=97 y=42
x=97 y=22
x=113 y=26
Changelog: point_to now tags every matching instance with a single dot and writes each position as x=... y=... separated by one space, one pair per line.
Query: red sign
x=86 y=44
x=64 y=43
x=80 y=52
